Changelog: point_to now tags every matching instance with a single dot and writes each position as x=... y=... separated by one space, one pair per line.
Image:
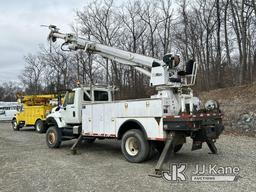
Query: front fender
x=55 y=119
x=50 y=121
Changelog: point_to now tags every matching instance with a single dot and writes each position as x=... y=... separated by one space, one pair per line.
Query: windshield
x=69 y=98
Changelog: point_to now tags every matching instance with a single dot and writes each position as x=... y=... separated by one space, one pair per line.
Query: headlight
x=211 y=104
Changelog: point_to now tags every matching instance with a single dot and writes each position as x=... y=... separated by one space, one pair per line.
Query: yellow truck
x=33 y=112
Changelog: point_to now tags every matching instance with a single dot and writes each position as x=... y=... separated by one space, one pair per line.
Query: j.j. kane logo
x=177 y=172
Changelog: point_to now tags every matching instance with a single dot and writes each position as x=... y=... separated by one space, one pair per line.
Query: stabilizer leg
x=74 y=146
x=168 y=149
x=212 y=146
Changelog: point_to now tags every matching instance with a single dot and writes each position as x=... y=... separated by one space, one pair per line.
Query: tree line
x=218 y=34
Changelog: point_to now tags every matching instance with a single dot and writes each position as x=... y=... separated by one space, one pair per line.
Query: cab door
x=68 y=110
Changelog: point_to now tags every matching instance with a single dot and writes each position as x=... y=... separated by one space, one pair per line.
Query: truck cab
x=68 y=117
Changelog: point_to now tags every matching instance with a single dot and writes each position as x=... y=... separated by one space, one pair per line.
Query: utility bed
x=105 y=119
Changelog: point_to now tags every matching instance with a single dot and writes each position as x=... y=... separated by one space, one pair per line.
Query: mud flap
x=208 y=133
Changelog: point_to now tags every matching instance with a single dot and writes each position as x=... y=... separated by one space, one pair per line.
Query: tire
x=152 y=150
x=15 y=125
x=39 y=126
x=53 y=137
x=135 y=147
x=160 y=146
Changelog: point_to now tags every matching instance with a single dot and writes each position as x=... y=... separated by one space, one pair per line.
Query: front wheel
x=53 y=137
x=15 y=125
x=135 y=147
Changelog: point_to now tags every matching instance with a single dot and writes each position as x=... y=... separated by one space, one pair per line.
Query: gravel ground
x=27 y=164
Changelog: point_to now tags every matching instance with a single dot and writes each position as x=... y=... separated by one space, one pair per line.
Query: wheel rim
x=51 y=137
x=132 y=146
x=38 y=126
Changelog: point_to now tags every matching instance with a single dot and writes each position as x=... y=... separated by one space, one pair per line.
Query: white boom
x=160 y=72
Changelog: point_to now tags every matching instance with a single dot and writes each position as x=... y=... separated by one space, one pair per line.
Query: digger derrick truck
x=160 y=122
x=33 y=111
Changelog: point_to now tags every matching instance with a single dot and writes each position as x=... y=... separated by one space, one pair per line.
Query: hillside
x=238 y=105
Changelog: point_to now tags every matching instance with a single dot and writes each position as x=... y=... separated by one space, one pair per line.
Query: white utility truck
x=160 y=122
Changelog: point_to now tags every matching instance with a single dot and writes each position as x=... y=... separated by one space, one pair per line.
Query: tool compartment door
x=93 y=120
x=87 y=120
x=98 y=120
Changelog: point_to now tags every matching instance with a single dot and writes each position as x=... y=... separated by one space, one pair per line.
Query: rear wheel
x=15 y=125
x=39 y=125
x=135 y=146
x=152 y=150
x=53 y=137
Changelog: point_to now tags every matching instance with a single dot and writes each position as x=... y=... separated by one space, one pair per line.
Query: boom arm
x=160 y=72
x=127 y=58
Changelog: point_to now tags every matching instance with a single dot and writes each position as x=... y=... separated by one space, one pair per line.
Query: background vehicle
x=33 y=111
x=8 y=110
x=162 y=121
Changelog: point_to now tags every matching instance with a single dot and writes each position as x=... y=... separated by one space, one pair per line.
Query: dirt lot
x=27 y=164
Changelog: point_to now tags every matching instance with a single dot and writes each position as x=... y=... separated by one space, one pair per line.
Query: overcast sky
x=20 y=31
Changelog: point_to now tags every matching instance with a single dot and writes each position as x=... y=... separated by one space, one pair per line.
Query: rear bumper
x=205 y=125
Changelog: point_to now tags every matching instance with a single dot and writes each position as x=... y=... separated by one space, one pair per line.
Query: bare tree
x=218 y=34
x=8 y=91
x=32 y=74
